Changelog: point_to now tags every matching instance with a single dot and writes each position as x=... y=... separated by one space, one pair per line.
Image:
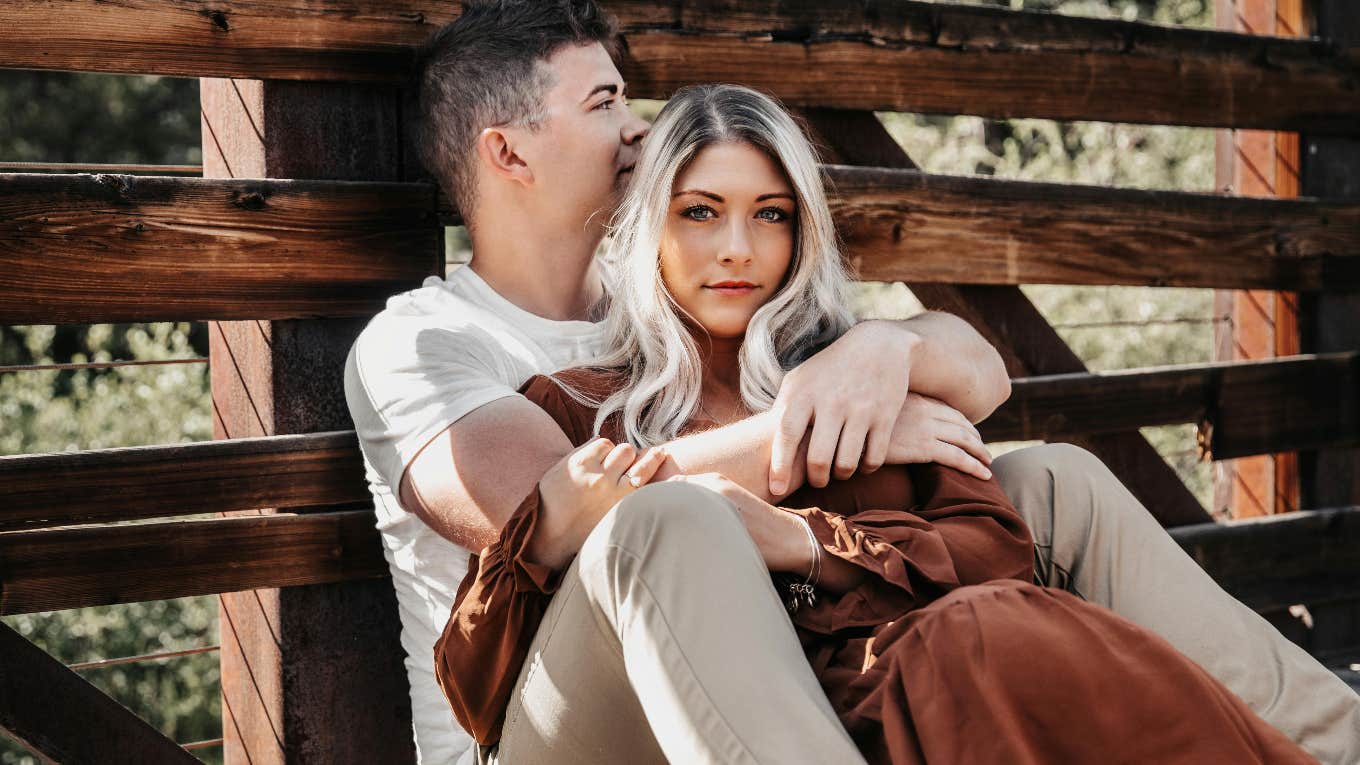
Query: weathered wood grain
x=1244 y=408
x=913 y=226
x=84 y=248
x=1306 y=557
x=183 y=479
x=50 y=569
x=105 y=248
x=63 y=718
x=892 y=55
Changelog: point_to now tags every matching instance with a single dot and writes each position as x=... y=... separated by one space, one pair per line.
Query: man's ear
x=496 y=150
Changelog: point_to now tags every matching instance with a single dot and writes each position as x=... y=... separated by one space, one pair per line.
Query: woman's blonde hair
x=646 y=337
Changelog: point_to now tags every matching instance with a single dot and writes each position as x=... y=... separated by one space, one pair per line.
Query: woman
x=909 y=587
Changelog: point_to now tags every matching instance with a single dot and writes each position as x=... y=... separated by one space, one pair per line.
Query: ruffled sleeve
x=499 y=606
x=501 y=601
x=960 y=530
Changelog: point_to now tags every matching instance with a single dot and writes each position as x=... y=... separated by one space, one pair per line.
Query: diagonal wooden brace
x=1003 y=315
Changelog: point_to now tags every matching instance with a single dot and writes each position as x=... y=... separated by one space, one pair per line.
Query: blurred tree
x=62 y=117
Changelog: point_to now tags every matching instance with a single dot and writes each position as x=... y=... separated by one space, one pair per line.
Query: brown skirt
x=1009 y=672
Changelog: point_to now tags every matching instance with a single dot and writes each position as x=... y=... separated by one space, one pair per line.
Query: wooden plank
x=154 y=481
x=1271 y=562
x=892 y=55
x=302 y=666
x=52 y=569
x=63 y=718
x=107 y=248
x=1246 y=407
x=1007 y=319
x=920 y=227
x=84 y=248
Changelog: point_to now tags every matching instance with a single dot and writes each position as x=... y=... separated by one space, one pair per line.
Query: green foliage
x=59 y=117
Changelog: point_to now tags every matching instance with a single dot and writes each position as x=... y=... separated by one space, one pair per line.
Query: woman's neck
x=721 y=391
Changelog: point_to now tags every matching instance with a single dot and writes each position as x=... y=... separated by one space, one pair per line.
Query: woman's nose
x=736 y=245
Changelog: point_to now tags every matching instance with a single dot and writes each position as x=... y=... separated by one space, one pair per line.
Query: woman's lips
x=734 y=289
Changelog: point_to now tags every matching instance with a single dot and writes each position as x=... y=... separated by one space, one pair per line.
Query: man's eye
x=607 y=104
x=699 y=212
x=773 y=215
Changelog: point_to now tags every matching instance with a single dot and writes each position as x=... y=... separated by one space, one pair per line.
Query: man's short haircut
x=485 y=69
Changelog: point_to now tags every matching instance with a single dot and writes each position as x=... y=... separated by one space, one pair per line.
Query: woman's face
x=729 y=236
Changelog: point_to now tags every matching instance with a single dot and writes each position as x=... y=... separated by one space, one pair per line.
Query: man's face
x=583 y=153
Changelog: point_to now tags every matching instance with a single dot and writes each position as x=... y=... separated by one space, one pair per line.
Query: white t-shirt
x=433 y=355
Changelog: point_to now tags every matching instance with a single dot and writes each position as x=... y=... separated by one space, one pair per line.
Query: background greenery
x=57 y=117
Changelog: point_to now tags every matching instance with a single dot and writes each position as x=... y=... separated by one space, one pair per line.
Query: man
x=524 y=123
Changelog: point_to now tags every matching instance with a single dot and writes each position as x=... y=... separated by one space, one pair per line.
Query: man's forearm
x=956 y=365
x=740 y=451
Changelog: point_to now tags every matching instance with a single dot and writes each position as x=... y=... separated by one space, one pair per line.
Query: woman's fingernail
x=635 y=480
x=777 y=486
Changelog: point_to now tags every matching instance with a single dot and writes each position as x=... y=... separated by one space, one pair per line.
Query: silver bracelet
x=806 y=590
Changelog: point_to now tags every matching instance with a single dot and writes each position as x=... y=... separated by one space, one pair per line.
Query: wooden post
x=1263 y=324
x=1331 y=477
x=1331 y=322
x=309 y=674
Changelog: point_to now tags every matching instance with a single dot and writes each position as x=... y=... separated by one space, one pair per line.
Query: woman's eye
x=773 y=215
x=699 y=212
x=607 y=104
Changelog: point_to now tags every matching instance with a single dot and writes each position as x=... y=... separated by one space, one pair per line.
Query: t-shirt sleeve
x=404 y=385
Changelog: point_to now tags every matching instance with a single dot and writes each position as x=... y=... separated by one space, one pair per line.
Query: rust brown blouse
x=944 y=653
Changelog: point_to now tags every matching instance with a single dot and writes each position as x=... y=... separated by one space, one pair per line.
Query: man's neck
x=552 y=276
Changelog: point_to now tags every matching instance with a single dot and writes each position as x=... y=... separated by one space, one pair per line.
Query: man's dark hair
x=486 y=68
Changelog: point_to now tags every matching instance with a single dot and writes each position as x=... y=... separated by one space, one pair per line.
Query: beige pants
x=667 y=639
x=1095 y=540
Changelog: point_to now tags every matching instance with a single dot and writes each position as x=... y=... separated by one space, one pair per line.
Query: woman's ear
x=496 y=151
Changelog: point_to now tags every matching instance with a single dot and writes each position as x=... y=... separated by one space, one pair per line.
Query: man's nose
x=635 y=129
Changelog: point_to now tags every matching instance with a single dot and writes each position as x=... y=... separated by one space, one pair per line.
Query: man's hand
x=851 y=394
x=580 y=489
x=932 y=431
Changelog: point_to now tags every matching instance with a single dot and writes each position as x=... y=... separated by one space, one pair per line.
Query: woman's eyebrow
x=700 y=192
x=775 y=195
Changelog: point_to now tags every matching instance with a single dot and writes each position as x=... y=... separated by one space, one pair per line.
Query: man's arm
x=469 y=479
x=851 y=394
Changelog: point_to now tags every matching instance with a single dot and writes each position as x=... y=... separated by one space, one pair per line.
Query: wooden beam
x=83 y=248
x=106 y=248
x=1272 y=562
x=1244 y=408
x=53 y=569
x=1011 y=323
x=64 y=719
x=182 y=479
x=919 y=227
x=892 y=55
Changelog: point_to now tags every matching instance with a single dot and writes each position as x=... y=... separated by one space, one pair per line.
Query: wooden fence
x=312 y=212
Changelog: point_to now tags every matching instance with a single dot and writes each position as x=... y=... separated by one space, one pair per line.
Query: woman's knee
x=664 y=513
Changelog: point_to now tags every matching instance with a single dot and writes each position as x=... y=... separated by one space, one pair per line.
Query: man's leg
x=1094 y=539
x=668 y=641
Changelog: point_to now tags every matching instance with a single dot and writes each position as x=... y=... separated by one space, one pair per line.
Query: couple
x=524 y=123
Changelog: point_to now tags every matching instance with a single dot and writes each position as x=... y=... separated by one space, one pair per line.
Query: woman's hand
x=578 y=491
x=778 y=534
